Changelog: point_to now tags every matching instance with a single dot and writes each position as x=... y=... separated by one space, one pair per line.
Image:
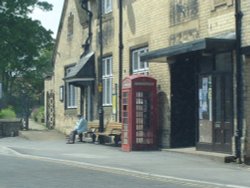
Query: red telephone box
x=139 y=113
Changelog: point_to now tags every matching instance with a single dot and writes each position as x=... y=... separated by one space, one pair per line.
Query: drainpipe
x=120 y=58
x=239 y=80
x=100 y=84
x=86 y=45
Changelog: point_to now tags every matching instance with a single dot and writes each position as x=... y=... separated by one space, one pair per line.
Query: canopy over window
x=83 y=72
x=206 y=44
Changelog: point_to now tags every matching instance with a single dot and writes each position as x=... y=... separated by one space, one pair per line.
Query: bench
x=92 y=129
x=112 y=130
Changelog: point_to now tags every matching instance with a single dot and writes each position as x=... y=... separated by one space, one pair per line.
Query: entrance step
x=222 y=157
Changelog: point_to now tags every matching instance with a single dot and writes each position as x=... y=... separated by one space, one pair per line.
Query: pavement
x=38 y=132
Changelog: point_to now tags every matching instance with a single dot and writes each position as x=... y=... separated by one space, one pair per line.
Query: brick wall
x=145 y=22
x=67 y=53
x=246 y=132
x=245 y=6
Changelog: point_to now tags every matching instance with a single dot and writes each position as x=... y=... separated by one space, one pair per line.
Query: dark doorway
x=183 y=103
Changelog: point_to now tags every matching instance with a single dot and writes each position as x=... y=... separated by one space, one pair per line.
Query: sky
x=50 y=20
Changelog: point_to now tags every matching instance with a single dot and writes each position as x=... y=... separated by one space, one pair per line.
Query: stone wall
x=245 y=6
x=10 y=127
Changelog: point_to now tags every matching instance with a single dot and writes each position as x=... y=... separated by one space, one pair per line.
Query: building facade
x=188 y=46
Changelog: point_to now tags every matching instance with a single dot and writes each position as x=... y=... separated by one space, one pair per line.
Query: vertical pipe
x=116 y=114
x=120 y=58
x=239 y=80
x=87 y=43
x=100 y=84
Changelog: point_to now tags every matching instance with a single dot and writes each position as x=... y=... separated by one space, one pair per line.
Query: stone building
x=191 y=47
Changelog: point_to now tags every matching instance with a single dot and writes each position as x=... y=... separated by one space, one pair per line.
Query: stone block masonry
x=10 y=127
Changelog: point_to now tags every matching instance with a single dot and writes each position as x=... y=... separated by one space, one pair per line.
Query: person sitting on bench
x=81 y=126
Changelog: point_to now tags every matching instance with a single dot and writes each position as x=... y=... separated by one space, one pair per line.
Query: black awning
x=206 y=44
x=83 y=72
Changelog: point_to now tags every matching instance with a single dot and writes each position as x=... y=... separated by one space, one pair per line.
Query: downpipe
x=239 y=80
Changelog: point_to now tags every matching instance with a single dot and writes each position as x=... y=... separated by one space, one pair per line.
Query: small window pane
x=103 y=68
x=107 y=6
x=108 y=67
x=135 y=60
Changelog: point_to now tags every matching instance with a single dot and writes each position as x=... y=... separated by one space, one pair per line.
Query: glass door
x=215 y=111
x=223 y=113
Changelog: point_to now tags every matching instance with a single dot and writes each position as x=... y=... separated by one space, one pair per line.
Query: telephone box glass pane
x=125 y=117
x=143 y=118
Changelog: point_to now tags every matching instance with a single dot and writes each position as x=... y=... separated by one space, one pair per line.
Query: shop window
x=205 y=109
x=107 y=76
x=138 y=66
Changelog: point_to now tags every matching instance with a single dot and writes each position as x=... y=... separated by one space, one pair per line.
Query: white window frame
x=107 y=79
x=138 y=66
x=71 y=93
x=107 y=6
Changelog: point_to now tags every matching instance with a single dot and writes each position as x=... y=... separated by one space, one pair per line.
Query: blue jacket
x=81 y=125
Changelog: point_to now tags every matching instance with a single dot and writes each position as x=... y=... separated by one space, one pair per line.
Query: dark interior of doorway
x=183 y=103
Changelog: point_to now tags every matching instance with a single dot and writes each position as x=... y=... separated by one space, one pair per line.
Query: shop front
x=215 y=103
x=202 y=107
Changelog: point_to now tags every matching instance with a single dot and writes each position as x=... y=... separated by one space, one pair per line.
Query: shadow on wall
x=163 y=118
x=131 y=18
x=130 y=14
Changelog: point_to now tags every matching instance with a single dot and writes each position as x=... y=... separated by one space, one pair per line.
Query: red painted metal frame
x=131 y=85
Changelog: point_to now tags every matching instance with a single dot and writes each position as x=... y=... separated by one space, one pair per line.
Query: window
x=71 y=93
x=139 y=67
x=70 y=25
x=220 y=3
x=183 y=11
x=107 y=77
x=107 y=6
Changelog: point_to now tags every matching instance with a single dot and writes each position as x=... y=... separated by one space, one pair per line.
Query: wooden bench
x=112 y=130
x=92 y=129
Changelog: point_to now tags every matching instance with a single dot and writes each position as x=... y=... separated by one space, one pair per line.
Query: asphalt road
x=19 y=172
